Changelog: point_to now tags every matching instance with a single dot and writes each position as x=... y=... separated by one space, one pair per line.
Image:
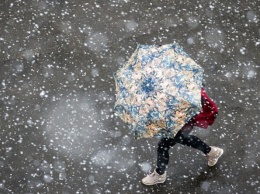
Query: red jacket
x=208 y=113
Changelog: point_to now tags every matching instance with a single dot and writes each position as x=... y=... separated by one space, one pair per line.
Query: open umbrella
x=158 y=90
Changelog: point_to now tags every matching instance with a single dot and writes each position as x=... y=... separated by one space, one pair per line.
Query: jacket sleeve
x=209 y=108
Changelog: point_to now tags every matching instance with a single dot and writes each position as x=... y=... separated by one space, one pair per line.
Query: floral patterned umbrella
x=158 y=90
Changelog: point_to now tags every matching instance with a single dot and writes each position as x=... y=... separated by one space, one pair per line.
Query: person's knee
x=160 y=148
x=163 y=146
x=181 y=137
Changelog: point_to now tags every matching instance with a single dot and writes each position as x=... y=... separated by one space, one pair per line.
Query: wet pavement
x=58 y=130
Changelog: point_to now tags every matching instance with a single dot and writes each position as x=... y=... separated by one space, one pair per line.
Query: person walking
x=205 y=118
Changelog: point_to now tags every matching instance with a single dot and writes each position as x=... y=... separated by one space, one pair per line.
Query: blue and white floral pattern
x=158 y=90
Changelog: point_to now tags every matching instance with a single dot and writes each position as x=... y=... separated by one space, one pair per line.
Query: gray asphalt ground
x=57 y=128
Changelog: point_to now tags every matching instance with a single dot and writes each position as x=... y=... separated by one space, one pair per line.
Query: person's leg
x=163 y=154
x=165 y=144
x=183 y=137
x=159 y=174
x=213 y=153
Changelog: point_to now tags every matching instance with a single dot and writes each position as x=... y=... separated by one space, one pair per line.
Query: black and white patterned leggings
x=181 y=137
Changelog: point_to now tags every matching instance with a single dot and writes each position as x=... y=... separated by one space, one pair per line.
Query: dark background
x=58 y=132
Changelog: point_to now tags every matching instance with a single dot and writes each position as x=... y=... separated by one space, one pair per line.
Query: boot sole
x=154 y=183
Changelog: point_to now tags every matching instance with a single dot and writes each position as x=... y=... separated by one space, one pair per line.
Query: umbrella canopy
x=158 y=90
